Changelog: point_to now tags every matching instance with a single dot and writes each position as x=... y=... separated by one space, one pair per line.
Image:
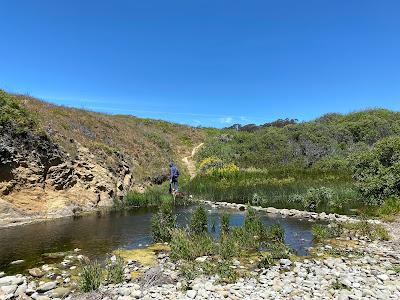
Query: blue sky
x=210 y=63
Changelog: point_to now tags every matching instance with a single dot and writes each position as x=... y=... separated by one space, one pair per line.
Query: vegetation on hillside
x=335 y=163
x=147 y=145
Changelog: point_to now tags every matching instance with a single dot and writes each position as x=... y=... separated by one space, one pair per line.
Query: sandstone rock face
x=38 y=179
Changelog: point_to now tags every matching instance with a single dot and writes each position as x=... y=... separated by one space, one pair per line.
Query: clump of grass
x=337 y=285
x=163 y=223
x=115 y=271
x=225 y=223
x=188 y=246
x=198 y=223
x=367 y=229
x=91 y=276
x=350 y=229
x=388 y=210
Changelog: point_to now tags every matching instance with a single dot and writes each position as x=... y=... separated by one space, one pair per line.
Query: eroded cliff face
x=38 y=179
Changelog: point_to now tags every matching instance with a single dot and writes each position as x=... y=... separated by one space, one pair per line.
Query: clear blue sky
x=204 y=62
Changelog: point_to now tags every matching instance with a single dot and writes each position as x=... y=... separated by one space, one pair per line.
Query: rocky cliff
x=50 y=168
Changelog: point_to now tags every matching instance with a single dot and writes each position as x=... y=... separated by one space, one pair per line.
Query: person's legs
x=175 y=185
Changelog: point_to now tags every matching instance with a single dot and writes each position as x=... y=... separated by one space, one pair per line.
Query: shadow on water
x=101 y=233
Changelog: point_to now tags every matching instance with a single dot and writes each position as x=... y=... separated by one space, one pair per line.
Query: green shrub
x=189 y=247
x=377 y=171
x=228 y=247
x=91 y=276
x=320 y=232
x=276 y=233
x=266 y=261
x=198 y=223
x=315 y=196
x=115 y=271
x=163 y=223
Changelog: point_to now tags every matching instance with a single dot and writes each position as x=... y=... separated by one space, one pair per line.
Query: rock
x=383 y=277
x=285 y=261
x=201 y=259
x=191 y=294
x=124 y=291
x=36 y=272
x=17 y=262
x=8 y=289
x=2 y=274
x=47 y=286
x=11 y=280
x=60 y=292
x=136 y=294
x=21 y=289
x=42 y=297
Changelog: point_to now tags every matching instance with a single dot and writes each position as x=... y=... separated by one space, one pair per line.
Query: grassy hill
x=149 y=144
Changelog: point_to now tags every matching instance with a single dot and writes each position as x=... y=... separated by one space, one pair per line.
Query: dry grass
x=147 y=144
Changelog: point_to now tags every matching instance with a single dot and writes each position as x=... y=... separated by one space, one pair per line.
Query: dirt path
x=189 y=162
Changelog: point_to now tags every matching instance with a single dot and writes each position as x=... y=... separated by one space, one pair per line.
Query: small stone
x=47 y=286
x=60 y=292
x=201 y=259
x=383 y=277
x=36 y=272
x=191 y=294
x=17 y=262
x=2 y=274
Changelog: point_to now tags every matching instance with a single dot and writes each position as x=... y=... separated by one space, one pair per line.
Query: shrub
x=188 y=247
x=91 y=276
x=210 y=163
x=276 y=233
x=319 y=232
x=315 y=196
x=228 y=247
x=115 y=271
x=163 y=222
x=198 y=223
x=377 y=171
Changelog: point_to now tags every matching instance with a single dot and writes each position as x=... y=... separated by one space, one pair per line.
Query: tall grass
x=91 y=276
x=280 y=188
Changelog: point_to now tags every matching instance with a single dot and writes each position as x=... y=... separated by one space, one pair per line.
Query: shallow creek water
x=103 y=232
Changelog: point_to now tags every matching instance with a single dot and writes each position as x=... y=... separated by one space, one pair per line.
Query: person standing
x=173 y=177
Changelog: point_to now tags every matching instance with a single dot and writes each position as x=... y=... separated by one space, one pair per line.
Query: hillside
x=326 y=143
x=57 y=160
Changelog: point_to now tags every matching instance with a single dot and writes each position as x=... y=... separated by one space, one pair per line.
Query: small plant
x=189 y=247
x=163 y=222
x=198 y=223
x=276 y=233
x=228 y=247
x=225 y=223
x=115 y=271
x=337 y=285
x=266 y=261
x=91 y=276
x=225 y=272
x=320 y=232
